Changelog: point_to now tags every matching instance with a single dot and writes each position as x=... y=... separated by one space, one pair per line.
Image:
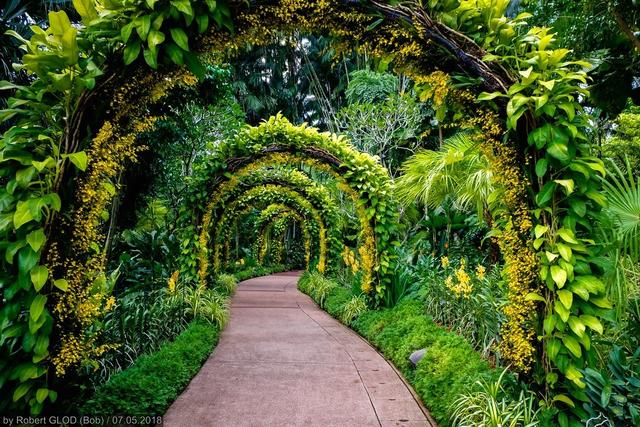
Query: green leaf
x=20 y=391
x=174 y=52
x=151 y=58
x=550 y=256
x=24 y=176
x=545 y=194
x=541 y=167
x=42 y=393
x=61 y=284
x=540 y=230
x=485 y=96
x=22 y=215
x=562 y=311
x=87 y=11
x=575 y=375
x=591 y=283
x=36 y=239
x=183 y=6
x=143 y=25
x=564 y=251
x=572 y=345
x=37 y=307
x=566 y=298
x=559 y=150
x=576 y=326
x=592 y=322
x=155 y=38
x=567 y=236
x=568 y=185
x=79 y=159
x=558 y=275
x=564 y=399
x=131 y=52
x=180 y=38
x=553 y=348
x=194 y=65
x=578 y=206
x=39 y=276
x=532 y=296
x=125 y=32
x=59 y=23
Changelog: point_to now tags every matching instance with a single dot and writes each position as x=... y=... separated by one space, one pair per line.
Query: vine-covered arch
x=259 y=198
x=277 y=141
x=267 y=217
x=53 y=270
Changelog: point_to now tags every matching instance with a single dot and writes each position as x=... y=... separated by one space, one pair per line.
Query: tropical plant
x=458 y=170
x=491 y=406
x=370 y=87
x=205 y=304
x=614 y=393
x=389 y=129
x=227 y=283
x=622 y=190
x=353 y=308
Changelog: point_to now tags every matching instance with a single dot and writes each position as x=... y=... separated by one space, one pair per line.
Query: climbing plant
x=267 y=217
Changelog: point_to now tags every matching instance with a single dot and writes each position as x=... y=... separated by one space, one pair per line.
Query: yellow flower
x=444 y=261
x=173 y=281
x=480 y=272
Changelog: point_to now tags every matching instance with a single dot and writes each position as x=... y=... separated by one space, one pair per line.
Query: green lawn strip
x=451 y=366
x=155 y=380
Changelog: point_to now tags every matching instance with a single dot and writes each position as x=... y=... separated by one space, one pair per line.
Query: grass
x=155 y=380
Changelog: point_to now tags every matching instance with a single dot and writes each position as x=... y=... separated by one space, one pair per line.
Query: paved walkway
x=282 y=361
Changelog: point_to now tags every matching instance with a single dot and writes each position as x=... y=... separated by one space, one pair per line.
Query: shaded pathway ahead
x=282 y=361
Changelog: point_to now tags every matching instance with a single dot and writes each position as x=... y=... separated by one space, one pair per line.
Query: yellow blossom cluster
x=434 y=87
x=350 y=260
x=461 y=286
x=173 y=282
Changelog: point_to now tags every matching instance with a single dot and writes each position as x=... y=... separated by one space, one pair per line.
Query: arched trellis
x=268 y=216
x=419 y=37
x=277 y=229
x=278 y=141
x=262 y=196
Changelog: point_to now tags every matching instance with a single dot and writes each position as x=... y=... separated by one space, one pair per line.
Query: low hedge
x=251 y=272
x=155 y=380
x=450 y=367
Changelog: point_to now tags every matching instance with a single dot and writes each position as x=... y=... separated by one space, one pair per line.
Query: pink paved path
x=282 y=361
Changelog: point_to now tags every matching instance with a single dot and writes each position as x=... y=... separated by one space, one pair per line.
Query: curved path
x=282 y=361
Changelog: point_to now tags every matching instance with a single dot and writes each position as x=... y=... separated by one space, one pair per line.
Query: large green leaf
x=37 y=307
x=559 y=275
x=86 y=9
x=573 y=345
x=180 y=38
x=39 y=276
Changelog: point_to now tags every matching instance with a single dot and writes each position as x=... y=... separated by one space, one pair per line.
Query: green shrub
x=207 y=304
x=335 y=298
x=450 y=366
x=352 y=309
x=227 y=282
x=155 y=380
x=318 y=287
x=251 y=272
x=492 y=406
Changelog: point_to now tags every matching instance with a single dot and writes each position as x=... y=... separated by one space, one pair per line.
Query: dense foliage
x=515 y=159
